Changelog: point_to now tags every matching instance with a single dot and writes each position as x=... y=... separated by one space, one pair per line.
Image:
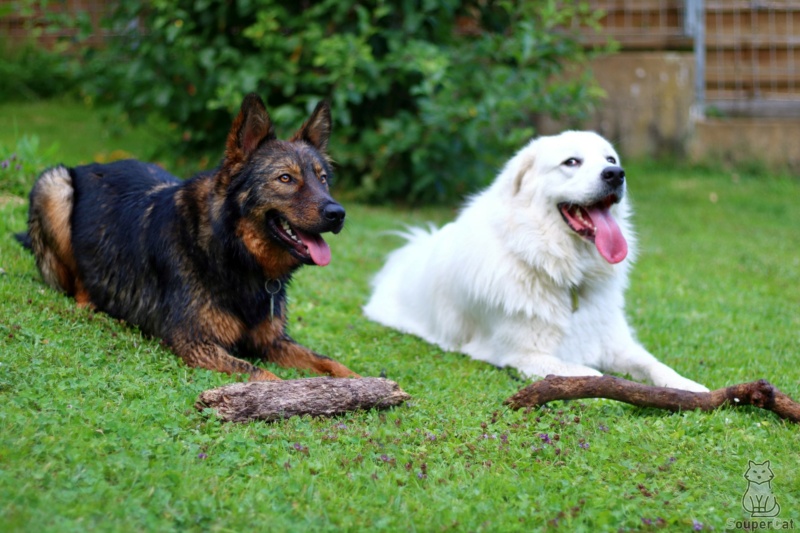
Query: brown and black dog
x=202 y=263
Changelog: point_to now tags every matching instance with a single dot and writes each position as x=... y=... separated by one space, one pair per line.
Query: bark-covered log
x=324 y=396
x=757 y=393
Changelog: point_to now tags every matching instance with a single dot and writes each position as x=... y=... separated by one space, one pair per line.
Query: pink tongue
x=608 y=238
x=317 y=247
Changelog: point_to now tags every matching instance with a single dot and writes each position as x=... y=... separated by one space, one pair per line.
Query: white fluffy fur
x=496 y=283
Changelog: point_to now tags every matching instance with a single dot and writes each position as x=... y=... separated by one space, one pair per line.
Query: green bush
x=428 y=98
x=29 y=72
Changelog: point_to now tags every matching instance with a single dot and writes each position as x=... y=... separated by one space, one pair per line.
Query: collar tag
x=273 y=287
x=573 y=292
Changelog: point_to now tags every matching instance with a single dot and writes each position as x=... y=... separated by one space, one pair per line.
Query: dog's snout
x=614 y=176
x=334 y=214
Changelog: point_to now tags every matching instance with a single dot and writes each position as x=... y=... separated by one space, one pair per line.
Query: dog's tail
x=24 y=238
x=49 y=228
x=414 y=233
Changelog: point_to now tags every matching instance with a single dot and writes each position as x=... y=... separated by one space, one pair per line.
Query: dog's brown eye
x=285 y=178
x=572 y=162
x=612 y=160
x=323 y=178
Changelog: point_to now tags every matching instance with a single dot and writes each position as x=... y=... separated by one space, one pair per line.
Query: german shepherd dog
x=202 y=263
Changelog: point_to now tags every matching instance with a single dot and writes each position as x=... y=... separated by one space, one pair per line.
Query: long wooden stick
x=273 y=400
x=757 y=393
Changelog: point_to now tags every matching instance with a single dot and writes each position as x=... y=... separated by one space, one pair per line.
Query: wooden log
x=324 y=396
x=757 y=393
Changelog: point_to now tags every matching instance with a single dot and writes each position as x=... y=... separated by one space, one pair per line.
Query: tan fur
x=212 y=356
x=227 y=328
x=296 y=356
x=267 y=253
x=201 y=192
x=81 y=295
x=289 y=354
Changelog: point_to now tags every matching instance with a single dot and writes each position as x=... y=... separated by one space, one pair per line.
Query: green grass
x=82 y=134
x=98 y=429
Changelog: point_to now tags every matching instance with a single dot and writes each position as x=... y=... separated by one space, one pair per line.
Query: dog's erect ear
x=317 y=129
x=251 y=127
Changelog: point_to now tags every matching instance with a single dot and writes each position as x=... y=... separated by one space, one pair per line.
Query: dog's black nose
x=334 y=214
x=614 y=176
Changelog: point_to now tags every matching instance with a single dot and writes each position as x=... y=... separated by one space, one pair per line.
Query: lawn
x=98 y=430
x=81 y=135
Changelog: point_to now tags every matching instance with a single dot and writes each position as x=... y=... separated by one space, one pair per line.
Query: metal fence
x=643 y=24
x=752 y=56
x=747 y=52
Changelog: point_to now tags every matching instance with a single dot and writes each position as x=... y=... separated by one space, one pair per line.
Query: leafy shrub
x=29 y=72
x=428 y=98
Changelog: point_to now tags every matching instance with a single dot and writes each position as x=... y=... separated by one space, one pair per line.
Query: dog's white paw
x=557 y=369
x=663 y=376
x=693 y=386
x=679 y=382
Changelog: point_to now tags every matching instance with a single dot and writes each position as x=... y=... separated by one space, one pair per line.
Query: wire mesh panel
x=19 y=26
x=643 y=24
x=749 y=59
x=753 y=56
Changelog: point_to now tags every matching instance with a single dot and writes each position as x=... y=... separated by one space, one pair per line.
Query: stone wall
x=649 y=100
x=772 y=142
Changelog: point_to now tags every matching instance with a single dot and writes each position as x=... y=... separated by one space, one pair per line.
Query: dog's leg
x=543 y=365
x=82 y=297
x=212 y=356
x=528 y=347
x=643 y=366
x=270 y=342
x=289 y=354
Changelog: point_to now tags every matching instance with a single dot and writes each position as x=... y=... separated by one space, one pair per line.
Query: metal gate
x=747 y=52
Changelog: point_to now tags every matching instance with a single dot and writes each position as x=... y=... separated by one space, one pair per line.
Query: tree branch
x=757 y=393
x=273 y=400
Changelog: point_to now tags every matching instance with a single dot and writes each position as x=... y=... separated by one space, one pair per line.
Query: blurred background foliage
x=428 y=97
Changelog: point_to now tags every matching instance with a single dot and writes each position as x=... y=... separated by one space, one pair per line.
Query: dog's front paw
x=663 y=376
x=693 y=386
x=682 y=383
x=263 y=375
x=540 y=368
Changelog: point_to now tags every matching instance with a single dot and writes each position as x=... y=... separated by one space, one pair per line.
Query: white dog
x=532 y=272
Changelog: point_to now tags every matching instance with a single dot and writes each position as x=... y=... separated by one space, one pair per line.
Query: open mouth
x=596 y=224
x=310 y=248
